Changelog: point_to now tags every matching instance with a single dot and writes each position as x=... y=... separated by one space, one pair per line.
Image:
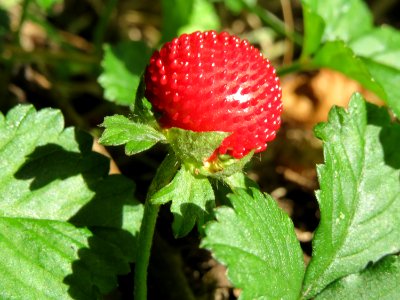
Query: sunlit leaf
x=359 y=194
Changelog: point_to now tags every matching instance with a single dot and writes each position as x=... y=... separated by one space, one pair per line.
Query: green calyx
x=194 y=149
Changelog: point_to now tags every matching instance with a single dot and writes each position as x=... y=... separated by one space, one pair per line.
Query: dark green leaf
x=137 y=137
x=256 y=240
x=359 y=193
x=192 y=200
x=379 y=281
x=194 y=147
x=45 y=259
x=123 y=66
x=51 y=182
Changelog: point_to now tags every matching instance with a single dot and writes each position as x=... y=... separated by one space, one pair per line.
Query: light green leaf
x=359 y=193
x=137 y=137
x=237 y=6
x=194 y=147
x=192 y=200
x=256 y=240
x=50 y=182
x=379 y=50
x=203 y=17
x=338 y=56
x=123 y=66
x=378 y=282
x=382 y=45
x=47 y=4
x=333 y=20
x=186 y=16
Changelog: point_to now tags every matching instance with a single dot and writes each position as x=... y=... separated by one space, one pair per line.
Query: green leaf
x=47 y=4
x=333 y=20
x=379 y=50
x=48 y=259
x=51 y=182
x=203 y=17
x=338 y=56
x=142 y=108
x=137 y=137
x=359 y=193
x=237 y=6
x=381 y=44
x=192 y=200
x=379 y=281
x=185 y=16
x=123 y=66
x=194 y=147
x=256 y=240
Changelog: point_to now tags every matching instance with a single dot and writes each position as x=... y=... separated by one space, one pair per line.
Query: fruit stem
x=145 y=240
x=164 y=175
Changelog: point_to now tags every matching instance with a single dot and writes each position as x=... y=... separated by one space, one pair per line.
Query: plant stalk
x=164 y=174
x=143 y=250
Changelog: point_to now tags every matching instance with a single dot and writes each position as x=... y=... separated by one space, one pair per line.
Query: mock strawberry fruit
x=208 y=81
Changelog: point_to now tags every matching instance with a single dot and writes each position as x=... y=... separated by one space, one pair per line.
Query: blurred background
x=53 y=52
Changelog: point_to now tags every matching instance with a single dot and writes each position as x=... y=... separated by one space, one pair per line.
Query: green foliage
x=339 y=34
x=379 y=281
x=333 y=20
x=137 y=137
x=52 y=186
x=186 y=16
x=256 y=240
x=123 y=66
x=359 y=193
x=47 y=4
x=192 y=200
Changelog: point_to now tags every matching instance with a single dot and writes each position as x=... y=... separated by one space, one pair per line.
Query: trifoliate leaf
x=123 y=66
x=51 y=182
x=359 y=193
x=137 y=137
x=333 y=20
x=379 y=281
x=256 y=240
x=194 y=147
x=192 y=200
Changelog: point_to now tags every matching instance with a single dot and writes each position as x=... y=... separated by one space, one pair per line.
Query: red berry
x=207 y=81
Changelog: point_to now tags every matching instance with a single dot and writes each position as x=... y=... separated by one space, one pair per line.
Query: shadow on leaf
x=95 y=200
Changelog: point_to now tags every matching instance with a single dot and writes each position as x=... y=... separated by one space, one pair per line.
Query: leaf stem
x=143 y=254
